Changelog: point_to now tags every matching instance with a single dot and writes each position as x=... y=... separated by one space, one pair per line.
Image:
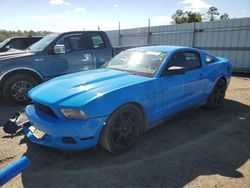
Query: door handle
x=39 y=59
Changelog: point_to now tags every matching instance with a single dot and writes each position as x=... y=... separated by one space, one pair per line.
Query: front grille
x=45 y=109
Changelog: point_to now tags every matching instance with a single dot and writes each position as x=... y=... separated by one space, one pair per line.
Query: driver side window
x=177 y=60
x=189 y=60
x=73 y=43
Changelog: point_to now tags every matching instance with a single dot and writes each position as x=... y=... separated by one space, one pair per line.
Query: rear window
x=210 y=59
x=97 y=41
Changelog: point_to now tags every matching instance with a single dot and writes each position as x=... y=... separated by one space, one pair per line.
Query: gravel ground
x=197 y=148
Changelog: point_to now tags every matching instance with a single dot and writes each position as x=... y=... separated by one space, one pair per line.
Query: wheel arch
x=137 y=105
x=223 y=78
x=19 y=71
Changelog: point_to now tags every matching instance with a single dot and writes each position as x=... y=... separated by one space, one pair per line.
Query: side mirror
x=7 y=47
x=59 y=49
x=175 y=70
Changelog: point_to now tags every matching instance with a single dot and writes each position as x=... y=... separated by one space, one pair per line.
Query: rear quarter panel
x=221 y=68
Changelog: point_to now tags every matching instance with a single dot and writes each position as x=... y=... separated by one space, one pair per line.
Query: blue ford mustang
x=133 y=92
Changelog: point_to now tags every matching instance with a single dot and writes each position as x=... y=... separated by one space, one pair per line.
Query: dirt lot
x=198 y=148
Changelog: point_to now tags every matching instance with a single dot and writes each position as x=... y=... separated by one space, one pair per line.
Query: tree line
x=180 y=17
x=6 y=34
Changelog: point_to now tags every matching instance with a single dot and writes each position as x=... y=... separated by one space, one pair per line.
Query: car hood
x=13 y=53
x=76 y=90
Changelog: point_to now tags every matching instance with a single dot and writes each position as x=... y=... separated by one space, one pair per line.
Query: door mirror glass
x=59 y=49
x=175 y=70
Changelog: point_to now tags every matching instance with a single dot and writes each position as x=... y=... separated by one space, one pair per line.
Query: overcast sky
x=66 y=15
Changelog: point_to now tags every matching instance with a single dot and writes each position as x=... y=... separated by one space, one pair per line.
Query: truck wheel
x=123 y=129
x=218 y=94
x=15 y=89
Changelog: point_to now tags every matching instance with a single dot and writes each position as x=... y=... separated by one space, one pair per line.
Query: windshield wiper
x=131 y=73
x=114 y=68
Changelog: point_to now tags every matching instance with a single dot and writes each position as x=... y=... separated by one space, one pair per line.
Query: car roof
x=25 y=37
x=85 y=31
x=163 y=48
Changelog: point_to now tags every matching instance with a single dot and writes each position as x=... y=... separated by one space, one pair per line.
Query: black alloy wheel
x=123 y=129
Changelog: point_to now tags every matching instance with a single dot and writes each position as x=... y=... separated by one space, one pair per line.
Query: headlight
x=73 y=114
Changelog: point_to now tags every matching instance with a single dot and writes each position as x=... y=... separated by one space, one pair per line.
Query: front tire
x=15 y=89
x=123 y=129
x=218 y=94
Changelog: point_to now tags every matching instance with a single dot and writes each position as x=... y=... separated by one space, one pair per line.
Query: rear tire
x=218 y=94
x=123 y=129
x=15 y=89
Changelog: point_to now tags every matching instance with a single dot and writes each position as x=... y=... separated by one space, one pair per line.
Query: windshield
x=138 y=62
x=2 y=44
x=43 y=43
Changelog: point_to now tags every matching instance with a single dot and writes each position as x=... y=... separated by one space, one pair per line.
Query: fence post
x=149 y=33
x=119 y=34
x=193 y=37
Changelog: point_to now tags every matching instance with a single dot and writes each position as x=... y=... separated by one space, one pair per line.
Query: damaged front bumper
x=62 y=134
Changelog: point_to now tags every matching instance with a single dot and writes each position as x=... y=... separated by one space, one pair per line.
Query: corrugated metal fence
x=228 y=38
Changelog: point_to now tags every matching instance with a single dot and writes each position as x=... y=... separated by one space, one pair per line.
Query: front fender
x=147 y=95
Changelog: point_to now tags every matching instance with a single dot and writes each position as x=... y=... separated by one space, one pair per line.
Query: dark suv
x=20 y=43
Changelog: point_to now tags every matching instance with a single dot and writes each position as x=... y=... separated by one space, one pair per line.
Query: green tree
x=181 y=17
x=6 y=34
x=32 y=33
x=193 y=17
x=2 y=37
x=224 y=16
x=212 y=13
